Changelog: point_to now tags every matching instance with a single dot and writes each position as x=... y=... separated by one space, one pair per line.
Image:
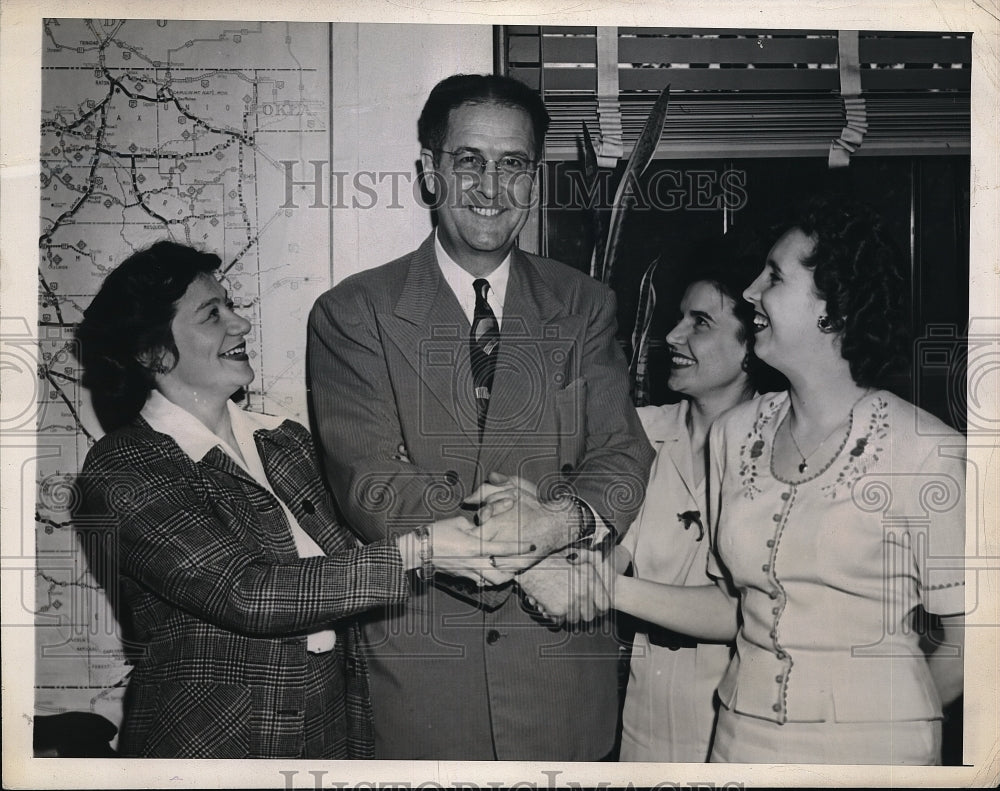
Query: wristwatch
x=586 y=522
x=426 y=569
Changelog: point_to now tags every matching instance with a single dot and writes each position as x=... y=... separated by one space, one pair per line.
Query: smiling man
x=465 y=359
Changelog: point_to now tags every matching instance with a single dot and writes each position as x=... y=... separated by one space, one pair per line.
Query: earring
x=824 y=324
x=158 y=367
x=745 y=364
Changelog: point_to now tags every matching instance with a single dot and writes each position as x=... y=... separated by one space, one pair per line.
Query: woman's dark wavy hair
x=129 y=320
x=856 y=269
x=459 y=89
x=730 y=263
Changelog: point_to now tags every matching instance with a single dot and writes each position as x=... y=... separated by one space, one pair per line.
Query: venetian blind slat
x=745 y=91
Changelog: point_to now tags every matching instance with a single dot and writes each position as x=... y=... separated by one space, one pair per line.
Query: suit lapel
x=258 y=498
x=537 y=355
x=221 y=461
x=431 y=332
x=677 y=448
x=285 y=460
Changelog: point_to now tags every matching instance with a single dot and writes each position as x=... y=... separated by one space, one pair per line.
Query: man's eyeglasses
x=473 y=163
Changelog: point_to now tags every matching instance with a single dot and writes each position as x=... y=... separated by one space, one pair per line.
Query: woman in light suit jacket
x=238 y=581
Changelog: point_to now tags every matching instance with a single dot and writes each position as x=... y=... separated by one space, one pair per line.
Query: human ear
x=430 y=170
x=156 y=361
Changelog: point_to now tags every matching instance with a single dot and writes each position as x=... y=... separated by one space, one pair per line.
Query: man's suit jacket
x=389 y=365
x=219 y=600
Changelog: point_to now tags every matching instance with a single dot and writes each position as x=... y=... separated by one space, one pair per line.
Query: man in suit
x=466 y=359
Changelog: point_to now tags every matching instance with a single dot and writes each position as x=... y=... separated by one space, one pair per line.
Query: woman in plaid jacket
x=237 y=585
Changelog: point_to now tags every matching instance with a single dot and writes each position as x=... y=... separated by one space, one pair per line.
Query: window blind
x=742 y=93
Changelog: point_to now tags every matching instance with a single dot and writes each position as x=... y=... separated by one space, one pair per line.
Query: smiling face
x=211 y=362
x=787 y=307
x=706 y=354
x=480 y=216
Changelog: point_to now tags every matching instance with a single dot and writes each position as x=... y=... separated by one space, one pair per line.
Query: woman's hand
x=456 y=547
x=569 y=585
x=464 y=552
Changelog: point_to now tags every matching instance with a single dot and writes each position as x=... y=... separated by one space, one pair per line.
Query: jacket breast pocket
x=571 y=422
x=198 y=720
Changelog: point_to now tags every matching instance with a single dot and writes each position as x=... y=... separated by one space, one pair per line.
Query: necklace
x=804 y=464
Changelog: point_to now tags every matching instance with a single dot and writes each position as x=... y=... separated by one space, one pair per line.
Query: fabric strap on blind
x=854 y=105
x=750 y=93
x=609 y=111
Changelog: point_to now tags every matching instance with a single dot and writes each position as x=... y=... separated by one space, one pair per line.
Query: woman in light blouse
x=835 y=509
x=670 y=706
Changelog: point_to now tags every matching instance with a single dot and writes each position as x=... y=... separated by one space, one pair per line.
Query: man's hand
x=509 y=510
x=567 y=586
x=499 y=488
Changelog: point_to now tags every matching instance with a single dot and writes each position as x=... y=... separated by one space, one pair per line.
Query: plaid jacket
x=219 y=601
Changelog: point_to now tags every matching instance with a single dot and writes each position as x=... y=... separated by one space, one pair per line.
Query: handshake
x=572 y=585
x=515 y=536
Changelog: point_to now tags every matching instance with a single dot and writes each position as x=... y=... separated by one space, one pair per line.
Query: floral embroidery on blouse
x=752 y=450
x=864 y=453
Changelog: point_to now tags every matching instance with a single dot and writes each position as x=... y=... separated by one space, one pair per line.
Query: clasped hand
x=563 y=584
x=520 y=537
x=459 y=549
x=462 y=550
x=509 y=510
x=570 y=585
x=514 y=530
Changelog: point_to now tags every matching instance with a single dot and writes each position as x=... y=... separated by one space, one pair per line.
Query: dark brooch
x=858 y=449
x=692 y=516
x=756 y=449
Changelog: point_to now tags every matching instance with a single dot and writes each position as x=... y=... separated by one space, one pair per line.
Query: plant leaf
x=638 y=161
x=639 y=364
x=591 y=173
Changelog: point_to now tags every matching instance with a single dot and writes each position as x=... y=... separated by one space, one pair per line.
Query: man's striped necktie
x=484 y=340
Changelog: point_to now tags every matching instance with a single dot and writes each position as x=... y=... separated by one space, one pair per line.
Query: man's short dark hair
x=459 y=89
